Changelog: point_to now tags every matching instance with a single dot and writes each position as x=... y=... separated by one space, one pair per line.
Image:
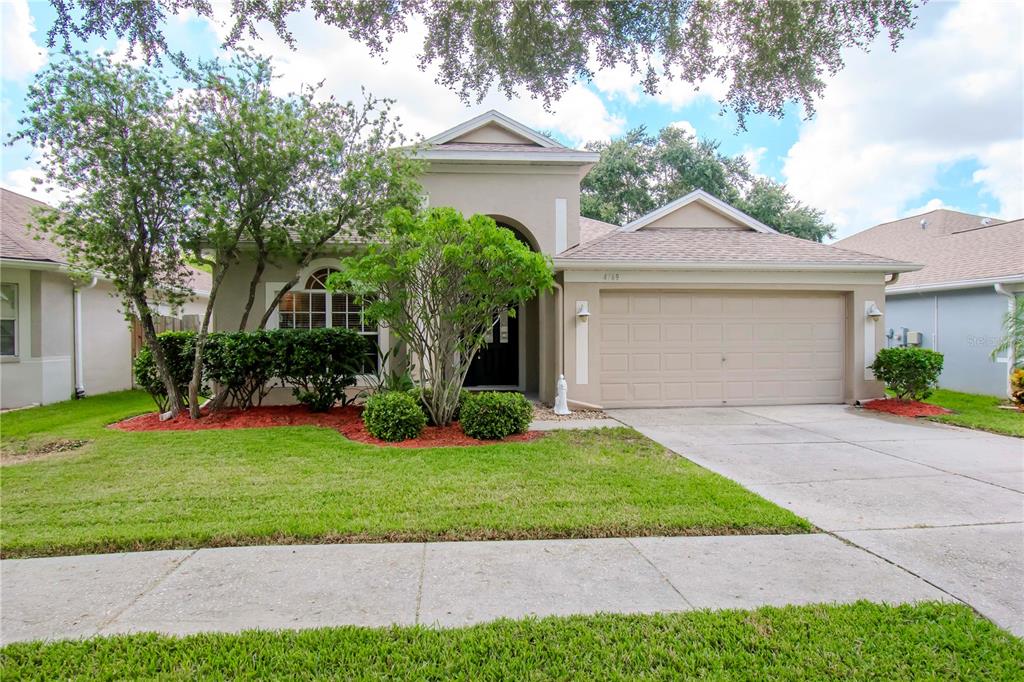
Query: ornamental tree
x=769 y=52
x=439 y=281
x=110 y=137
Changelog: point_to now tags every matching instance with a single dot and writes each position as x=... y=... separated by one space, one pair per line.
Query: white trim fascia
x=567 y=157
x=702 y=196
x=952 y=286
x=581 y=264
x=496 y=117
x=50 y=266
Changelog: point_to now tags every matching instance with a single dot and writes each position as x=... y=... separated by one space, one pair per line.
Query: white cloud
x=933 y=204
x=20 y=56
x=344 y=65
x=20 y=180
x=890 y=123
x=754 y=155
x=685 y=126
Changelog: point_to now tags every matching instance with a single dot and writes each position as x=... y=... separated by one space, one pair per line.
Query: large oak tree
x=769 y=51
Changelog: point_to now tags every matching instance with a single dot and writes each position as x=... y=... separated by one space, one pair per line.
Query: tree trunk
x=271 y=305
x=261 y=265
x=175 y=402
x=197 y=360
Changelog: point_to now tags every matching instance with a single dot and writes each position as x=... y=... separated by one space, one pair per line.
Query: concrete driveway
x=944 y=503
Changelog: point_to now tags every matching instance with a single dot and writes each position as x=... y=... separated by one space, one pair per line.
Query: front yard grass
x=135 y=491
x=978 y=412
x=861 y=641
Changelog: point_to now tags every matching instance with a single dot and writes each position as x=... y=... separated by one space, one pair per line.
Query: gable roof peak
x=494 y=117
x=709 y=200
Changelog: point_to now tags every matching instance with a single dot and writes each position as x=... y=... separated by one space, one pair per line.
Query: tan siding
x=697 y=214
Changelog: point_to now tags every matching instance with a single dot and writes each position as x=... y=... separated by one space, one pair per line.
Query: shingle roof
x=16 y=239
x=591 y=229
x=953 y=246
x=20 y=242
x=704 y=246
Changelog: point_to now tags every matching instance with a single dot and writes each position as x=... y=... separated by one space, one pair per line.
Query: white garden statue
x=561 y=401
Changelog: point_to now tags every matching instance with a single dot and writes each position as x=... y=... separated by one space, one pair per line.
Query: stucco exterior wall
x=697 y=215
x=526 y=195
x=858 y=288
x=43 y=371
x=964 y=325
x=106 y=342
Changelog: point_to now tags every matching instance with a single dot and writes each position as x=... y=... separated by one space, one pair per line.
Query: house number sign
x=611 y=277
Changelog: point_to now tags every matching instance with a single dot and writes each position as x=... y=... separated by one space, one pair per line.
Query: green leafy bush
x=424 y=397
x=492 y=415
x=179 y=349
x=393 y=416
x=319 y=364
x=910 y=373
x=242 y=363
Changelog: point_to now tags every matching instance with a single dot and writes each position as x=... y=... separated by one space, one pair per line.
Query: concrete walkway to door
x=944 y=503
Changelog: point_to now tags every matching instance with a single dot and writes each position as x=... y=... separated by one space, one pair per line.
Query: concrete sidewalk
x=442 y=583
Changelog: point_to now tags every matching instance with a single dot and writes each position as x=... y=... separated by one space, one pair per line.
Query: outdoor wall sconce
x=583 y=310
x=873 y=312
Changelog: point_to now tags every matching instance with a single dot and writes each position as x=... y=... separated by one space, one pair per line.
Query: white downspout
x=1011 y=352
x=79 y=367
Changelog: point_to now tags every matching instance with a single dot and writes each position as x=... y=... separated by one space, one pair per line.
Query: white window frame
x=383 y=337
x=16 y=319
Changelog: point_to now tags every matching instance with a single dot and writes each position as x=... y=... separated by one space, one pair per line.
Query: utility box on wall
x=913 y=338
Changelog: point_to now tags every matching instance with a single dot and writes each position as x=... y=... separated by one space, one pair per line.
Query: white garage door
x=682 y=348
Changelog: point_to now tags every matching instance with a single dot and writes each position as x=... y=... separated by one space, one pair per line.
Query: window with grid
x=8 y=319
x=313 y=307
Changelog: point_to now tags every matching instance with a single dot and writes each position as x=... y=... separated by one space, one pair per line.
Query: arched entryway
x=509 y=361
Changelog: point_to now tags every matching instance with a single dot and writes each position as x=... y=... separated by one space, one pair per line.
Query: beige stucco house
x=58 y=337
x=696 y=303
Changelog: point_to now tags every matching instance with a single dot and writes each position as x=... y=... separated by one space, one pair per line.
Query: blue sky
x=936 y=124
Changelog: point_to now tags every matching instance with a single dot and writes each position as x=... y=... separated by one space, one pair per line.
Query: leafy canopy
x=438 y=281
x=770 y=53
x=639 y=172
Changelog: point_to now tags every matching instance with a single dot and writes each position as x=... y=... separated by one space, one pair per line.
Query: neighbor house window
x=8 y=319
x=313 y=307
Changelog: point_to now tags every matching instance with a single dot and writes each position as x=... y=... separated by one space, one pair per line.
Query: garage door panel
x=645 y=333
x=668 y=348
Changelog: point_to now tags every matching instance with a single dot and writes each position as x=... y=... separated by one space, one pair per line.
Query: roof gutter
x=586 y=264
x=551 y=158
x=952 y=286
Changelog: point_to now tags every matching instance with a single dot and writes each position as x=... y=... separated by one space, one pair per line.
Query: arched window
x=313 y=307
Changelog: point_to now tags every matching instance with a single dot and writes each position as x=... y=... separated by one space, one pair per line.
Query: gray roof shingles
x=953 y=246
x=703 y=245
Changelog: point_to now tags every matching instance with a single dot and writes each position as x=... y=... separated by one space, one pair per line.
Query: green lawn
x=861 y=641
x=978 y=412
x=133 y=491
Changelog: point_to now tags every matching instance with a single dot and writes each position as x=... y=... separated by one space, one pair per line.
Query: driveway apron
x=944 y=503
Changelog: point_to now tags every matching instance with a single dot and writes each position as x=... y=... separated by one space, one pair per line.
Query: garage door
x=680 y=348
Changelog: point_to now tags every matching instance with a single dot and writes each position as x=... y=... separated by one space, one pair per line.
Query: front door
x=497 y=363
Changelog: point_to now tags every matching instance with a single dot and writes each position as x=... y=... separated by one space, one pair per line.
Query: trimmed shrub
x=393 y=416
x=910 y=373
x=493 y=416
x=242 y=363
x=423 y=397
x=179 y=350
x=319 y=364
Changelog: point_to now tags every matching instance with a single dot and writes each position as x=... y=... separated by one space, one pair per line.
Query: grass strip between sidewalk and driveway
x=135 y=491
x=861 y=641
x=982 y=412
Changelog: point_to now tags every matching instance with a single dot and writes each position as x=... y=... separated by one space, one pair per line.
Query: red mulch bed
x=905 y=408
x=346 y=420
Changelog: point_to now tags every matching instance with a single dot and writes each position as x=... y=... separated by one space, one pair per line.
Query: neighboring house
x=58 y=339
x=955 y=304
x=694 y=304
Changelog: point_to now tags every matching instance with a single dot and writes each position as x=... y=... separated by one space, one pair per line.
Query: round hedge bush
x=393 y=416
x=492 y=415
